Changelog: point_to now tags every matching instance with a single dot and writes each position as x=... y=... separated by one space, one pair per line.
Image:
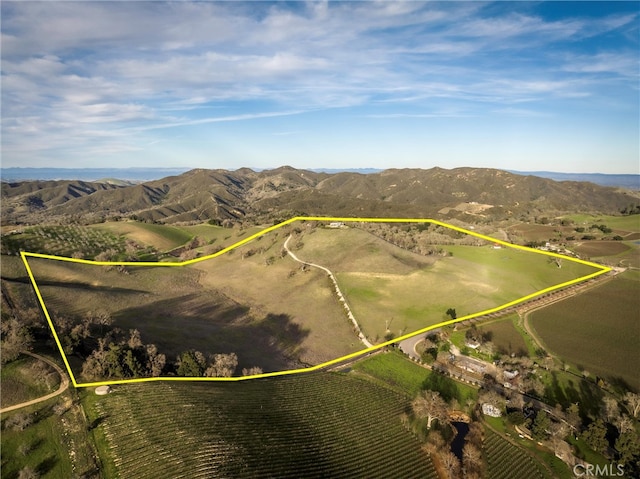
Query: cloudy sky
x=524 y=85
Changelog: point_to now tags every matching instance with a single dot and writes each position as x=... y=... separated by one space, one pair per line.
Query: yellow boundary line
x=601 y=270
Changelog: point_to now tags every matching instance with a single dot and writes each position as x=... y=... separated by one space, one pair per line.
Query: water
x=458 y=442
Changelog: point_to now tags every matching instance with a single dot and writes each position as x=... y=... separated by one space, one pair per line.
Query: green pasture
x=17 y=382
x=161 y=237
x=44 y=440
x=597 y=330
x=351 y=249
x=395 y=370
x=54 y=445
x=630 y=223
x=473 y=279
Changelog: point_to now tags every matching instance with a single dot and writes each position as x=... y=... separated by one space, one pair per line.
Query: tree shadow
x=97 y=421
x=212 y=323
x=47 y=465
x=620 y=385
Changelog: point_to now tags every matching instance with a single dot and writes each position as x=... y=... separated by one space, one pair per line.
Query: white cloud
x=101 y=72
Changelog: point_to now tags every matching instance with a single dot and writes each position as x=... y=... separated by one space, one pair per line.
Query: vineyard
x=314 y=425
x=504 y=460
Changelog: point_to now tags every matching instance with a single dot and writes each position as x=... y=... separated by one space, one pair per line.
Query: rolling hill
x=200 y=195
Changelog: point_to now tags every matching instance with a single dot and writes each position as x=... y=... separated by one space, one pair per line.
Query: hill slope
x=200 y=195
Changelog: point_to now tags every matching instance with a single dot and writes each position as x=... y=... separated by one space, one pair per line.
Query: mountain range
x=202 y=195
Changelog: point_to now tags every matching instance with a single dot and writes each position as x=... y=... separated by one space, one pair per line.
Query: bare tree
x=451 y=464
x=135 y=340
x=471 y=460
x=431 y=406
x=223 y=365
x=633 y=402
x=155 y=361
x=610 y=409
x=624 y=423
x=251 y=371
x=28 y=473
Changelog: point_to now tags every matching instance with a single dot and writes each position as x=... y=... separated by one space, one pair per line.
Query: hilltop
x=219 y=195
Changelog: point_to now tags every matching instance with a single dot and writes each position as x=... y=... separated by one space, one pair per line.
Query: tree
x=223 y=366
x=14 y=338
x=573 y=416
x=430 y=405
x=624 y=423
x=596 y=436
x=190 y=364
x=541 y=425
x=451 y=463
x=19 y=421
x=155 y=361
x=633 y=403
x=452 y=313
x=628 y=447
x=493 y=398
x=251 y=371
x=28 y=473
x=610 y=409
x=471 y=460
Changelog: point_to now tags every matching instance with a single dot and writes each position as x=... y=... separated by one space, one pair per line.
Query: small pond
x=458 y=442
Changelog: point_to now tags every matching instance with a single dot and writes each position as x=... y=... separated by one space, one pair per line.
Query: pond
x=458 y=442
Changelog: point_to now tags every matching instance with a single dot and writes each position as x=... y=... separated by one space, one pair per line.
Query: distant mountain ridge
x=138 y=175
x=623 y=181
x=201 y=195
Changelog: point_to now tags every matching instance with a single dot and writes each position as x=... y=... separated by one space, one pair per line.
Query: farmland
x=62 y=241
x=255 y=291
x=598 y=330
x=316 y=425
x=390 y=289
x=505 y=460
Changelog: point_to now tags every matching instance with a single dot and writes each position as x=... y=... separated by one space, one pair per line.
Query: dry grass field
x=269 y=313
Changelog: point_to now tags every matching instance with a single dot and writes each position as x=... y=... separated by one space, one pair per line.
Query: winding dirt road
x=64 y=385
x=341 y=297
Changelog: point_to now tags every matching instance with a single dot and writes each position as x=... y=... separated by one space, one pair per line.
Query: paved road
x=341 y=297
x=408 y=346
x=64 y=385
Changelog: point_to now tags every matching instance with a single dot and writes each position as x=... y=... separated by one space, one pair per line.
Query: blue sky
x=523 y=85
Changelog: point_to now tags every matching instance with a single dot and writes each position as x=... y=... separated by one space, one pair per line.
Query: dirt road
x=64 y=385
x=341 y=297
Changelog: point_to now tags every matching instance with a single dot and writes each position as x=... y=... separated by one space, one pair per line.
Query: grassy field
x=505 y=336
x=17 y=382
x=54 y=445
x=387 y=287
x=316 y=425
x=394 y=369
x=166 y=238
x=239 y=302
x=597 y=330
x=161 y=237
x=630 y=223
